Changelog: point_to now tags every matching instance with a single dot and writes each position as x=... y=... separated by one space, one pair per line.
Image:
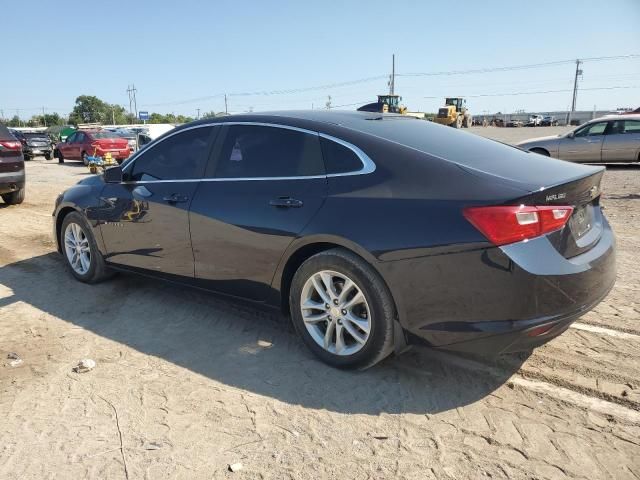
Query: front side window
x=179 y=157
x=254 y=151
x=592 y=130
x=338 y=158
x=79 y=137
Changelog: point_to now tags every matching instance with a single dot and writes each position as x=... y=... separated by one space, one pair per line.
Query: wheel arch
x=541 y=151
x=302 y=249
x=60 y=216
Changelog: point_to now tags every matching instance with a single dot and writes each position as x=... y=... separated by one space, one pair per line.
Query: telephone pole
x=131 y=90
x=226 y=109
x=328 y=104
x=198 y=116
x=575 y=92
x=392 y=79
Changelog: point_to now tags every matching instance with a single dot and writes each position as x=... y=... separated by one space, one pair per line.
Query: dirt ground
x=186 y=383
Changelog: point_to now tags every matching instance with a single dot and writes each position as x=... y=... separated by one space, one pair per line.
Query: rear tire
x=96 y=270
x=14 y=198
x=468 y=121
x=370 y=310
x=457 y=123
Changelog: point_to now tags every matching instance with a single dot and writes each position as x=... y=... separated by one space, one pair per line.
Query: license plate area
x=581 y=220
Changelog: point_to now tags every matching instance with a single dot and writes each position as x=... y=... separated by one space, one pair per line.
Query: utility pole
x=328 y=104
x=392 y=79
x=575 y=92
x=226 y=110
x=198 y=116
x=44 y=120
x=113 y=116
x=130 y=102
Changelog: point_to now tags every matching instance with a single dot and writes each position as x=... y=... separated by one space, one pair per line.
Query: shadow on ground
x=218 y=339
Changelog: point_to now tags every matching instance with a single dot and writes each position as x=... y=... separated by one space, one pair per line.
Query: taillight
x=507 y=224
x=10 y=145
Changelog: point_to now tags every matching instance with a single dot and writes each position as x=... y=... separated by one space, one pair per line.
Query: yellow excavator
x=454 y=113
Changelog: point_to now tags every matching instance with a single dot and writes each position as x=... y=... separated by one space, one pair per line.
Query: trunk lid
x=113 y=143
x=584 y=228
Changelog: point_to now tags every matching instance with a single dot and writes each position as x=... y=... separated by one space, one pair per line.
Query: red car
x=87 y=143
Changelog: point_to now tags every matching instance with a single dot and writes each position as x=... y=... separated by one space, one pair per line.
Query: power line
x=617 y=87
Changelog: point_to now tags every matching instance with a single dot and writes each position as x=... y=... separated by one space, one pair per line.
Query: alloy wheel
x=76 y=246
x=335 y=312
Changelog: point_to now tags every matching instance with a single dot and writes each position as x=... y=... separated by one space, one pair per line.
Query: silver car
x=605 y=139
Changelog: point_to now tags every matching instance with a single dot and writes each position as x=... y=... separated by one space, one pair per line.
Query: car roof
x=619 y=116
x=319 y=119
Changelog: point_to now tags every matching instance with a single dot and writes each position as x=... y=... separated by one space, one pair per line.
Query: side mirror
x=571 y=135
x=113 y=175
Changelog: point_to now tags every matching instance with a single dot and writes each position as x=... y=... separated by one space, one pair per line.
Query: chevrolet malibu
x=370 y=230
x=606 y=139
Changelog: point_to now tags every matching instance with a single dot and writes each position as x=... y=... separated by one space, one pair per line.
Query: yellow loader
x=454 y=113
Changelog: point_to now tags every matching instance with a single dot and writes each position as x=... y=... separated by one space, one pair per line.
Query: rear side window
x=179 y=157
x=338 y=158
x=254 y=151
x=630 y=126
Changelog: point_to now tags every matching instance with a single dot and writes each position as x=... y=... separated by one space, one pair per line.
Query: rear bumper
x=116 y=154
x=489 y=300
x=30 y=151
x=11 y=181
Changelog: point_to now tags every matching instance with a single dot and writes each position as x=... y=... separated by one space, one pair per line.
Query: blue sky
x=176 y=52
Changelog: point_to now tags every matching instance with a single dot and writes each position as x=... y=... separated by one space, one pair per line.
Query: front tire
x=58 y=154
x=14 y=198
x=47 y=156
x=85 y=160
x=342 y=309
x=81 y=253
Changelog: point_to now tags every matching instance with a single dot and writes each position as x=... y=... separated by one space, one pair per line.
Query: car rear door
x=585 y=145
x=622 y=142
x=145 y=219
x=263 y=185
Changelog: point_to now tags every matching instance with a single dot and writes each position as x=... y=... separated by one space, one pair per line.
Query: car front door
x=585 y=145
x=622 y=142
x=66 y=147
x=145 y=219
x=263 y=185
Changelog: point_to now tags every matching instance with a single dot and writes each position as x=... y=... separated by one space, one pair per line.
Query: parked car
x=129 y=135
x=515 y=123
x=12 y=178
x=605 y=139
x=34 y=143
x=364 y=227
x=549 y=121
x=535 y=121
x=86 y=143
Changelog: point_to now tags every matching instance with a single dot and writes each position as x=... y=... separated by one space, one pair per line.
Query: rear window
x=35 y=135
x=338 y=158
x=5 y=134
x=100 y=135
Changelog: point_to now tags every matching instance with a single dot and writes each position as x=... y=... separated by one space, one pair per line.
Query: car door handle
x=176 y=198
x=286 y=202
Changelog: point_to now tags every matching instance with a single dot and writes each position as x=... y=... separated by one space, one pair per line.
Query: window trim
x=368 y=166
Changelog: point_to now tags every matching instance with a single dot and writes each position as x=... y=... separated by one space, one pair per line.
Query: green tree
x=90 y=109
x=14 y=121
